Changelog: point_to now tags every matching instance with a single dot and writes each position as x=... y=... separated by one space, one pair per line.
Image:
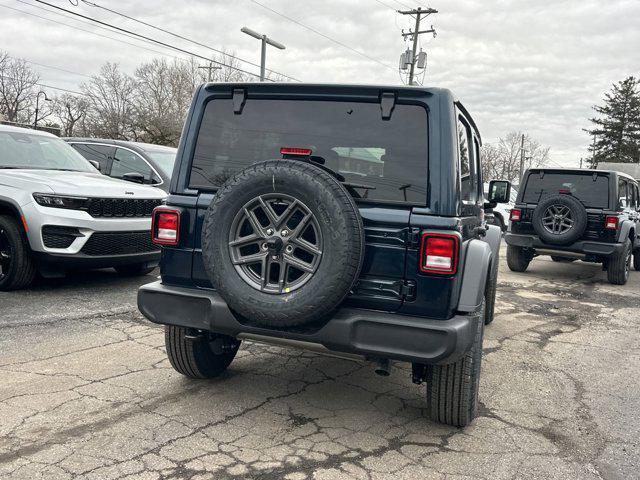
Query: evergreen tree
x=617 y=130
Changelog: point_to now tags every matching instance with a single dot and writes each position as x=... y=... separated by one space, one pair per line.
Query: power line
x=195 y=42
x=311 y=29
x=87 y=31
x=173 y=47
x=57 y=68
x=48 y=86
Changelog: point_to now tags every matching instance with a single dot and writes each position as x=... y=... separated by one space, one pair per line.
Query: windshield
x=380 y=159
x=163 y=158
x=591 y=189
x=32 y=151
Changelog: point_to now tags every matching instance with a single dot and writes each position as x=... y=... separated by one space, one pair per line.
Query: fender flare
x=626 y=228
x=477 y=262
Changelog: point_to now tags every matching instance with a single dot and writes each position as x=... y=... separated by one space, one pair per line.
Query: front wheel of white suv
x=17 y=269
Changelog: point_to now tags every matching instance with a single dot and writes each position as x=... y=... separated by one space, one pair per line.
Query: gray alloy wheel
x=275 y=243
x=557 y=219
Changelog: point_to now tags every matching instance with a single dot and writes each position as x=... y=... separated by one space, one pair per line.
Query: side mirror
x=95 y=164
x=499 y=191
x=134 y=177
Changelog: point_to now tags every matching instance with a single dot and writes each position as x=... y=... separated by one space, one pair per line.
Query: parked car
x=499 y=215
x=572 y=214
x=132 y=161
x=58 y=212
x=342 y=219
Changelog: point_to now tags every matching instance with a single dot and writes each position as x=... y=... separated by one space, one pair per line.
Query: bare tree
x=71 y=110
x=110 y=96
x=18 y=89
x=229 y=72
x=501 y=160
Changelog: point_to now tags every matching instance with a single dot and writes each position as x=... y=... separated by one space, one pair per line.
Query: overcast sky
x=516 y=64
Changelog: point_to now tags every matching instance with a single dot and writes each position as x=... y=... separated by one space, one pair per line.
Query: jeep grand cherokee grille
x=121 y=207
x=119 y=243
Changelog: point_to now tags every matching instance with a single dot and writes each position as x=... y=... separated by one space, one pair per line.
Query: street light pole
x=47 y=99
x=263 y=51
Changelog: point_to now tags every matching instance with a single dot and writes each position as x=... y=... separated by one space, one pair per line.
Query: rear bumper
x=582 y=247
x=366 y=333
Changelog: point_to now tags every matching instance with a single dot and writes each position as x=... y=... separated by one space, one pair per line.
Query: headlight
x=60 y=201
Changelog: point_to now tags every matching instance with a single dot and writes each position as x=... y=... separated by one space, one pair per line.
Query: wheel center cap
x=275 y=245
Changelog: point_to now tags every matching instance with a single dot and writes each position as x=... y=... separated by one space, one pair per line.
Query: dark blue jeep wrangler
x=342 y=219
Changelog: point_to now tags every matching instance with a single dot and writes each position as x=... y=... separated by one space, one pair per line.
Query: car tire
x=134 y=270
x=204 y=355
x=452 y=389
x=490 y=292
x=17 y=268
x=252 y=205
x=578 y=216
x=636 y=260
x=556 y=258
x=517 y=258
x=618 y=265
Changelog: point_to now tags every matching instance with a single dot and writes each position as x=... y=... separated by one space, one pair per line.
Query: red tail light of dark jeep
x=439 y=253
x=165 y=226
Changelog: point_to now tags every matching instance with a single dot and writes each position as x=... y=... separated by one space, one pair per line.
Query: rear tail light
x=611 y=223
x=515 y=215
x=303 y=152
x=439 y=253
x=165 y=226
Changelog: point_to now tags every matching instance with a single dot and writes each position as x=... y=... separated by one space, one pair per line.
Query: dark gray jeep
x=571 y=214
x=346 y=220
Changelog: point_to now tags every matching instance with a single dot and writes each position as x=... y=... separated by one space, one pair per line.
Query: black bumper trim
x=79 y=260
x=583 y=246
x=369 y=333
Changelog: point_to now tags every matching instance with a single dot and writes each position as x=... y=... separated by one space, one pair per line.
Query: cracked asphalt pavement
x=87 y=392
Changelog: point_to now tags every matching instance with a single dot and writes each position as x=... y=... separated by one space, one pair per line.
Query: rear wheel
x=17 y=269
x=619 y=265
x=195 y=355
x=636 y=260
x=517 y=258
x=452 y=390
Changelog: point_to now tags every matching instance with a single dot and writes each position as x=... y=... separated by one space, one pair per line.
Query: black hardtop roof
x=583 y=170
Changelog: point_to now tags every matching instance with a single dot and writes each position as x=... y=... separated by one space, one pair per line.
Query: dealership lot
x=87 y=391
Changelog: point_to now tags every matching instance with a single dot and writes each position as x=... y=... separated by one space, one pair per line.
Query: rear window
x=592 y=190
x=385 y=160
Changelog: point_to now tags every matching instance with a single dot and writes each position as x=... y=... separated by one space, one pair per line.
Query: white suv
x=58 y=212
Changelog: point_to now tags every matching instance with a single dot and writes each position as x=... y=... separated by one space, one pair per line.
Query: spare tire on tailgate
x=283 y=243
x=559 y=219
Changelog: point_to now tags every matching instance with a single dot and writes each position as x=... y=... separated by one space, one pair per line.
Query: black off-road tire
x=452 y=390
x=22 y=269
x=618 y=265
x=578 y=212
x=134 y=270
x=340 y=224
x=490 y=291
x=636 y=260
x=558 y=259
x=204 y=357
x=517 y=258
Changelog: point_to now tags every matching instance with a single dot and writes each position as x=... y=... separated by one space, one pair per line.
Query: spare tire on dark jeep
x=283 y=243
x=559 y=219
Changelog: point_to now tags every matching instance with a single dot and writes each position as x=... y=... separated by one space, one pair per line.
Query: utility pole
x=210 y=70
x=263 y=51
x=521 y=158
x=417 y=13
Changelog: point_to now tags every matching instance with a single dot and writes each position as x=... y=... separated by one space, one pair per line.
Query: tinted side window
x=623 y=201
x=99 y=153
x=466 y=171
x=126 y=161
x=476 y=165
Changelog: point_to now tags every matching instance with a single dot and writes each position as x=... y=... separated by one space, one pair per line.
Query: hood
x=86 y=184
